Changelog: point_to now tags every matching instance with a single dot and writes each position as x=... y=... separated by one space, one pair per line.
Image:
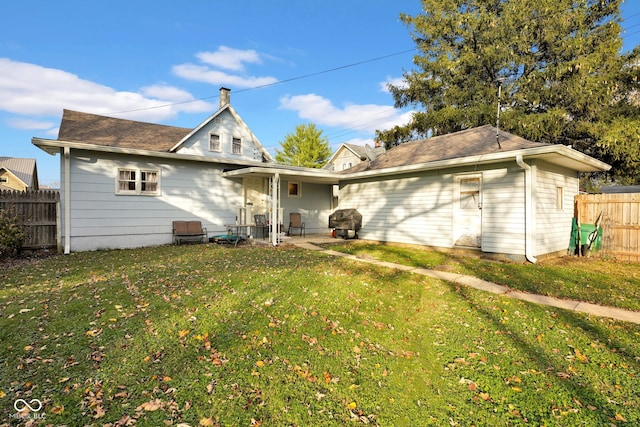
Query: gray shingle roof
x=470 y=142
x=113 y=132
x=23 y=169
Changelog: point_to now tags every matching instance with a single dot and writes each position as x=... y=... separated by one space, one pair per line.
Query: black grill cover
x=345 y=219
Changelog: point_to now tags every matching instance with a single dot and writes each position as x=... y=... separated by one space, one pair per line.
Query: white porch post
x=275 y=209
x=67 y=200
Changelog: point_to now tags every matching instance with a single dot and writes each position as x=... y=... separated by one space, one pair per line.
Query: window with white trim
x=138 y=182
x=214 y=142
x=294 y=189
x=560 y=198
x=236 y=145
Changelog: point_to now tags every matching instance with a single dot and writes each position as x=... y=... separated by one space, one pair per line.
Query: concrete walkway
x=473 y=282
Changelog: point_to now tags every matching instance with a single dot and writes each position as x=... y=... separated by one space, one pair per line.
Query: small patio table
x=238 y=232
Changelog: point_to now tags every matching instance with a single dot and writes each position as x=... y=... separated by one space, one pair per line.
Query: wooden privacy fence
x=620 y=222
x=38 y=213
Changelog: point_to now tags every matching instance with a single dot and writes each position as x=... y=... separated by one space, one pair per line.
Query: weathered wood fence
x=620 y=222
x=38 y=212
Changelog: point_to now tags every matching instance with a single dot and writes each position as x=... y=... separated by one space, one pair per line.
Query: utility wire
x=305 y=76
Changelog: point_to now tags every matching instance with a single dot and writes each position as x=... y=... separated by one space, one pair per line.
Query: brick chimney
x=225 y=96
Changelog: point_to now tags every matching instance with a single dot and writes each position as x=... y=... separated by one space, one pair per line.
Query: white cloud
x=366 y=117
x=229 y=58
x=201 y=73
x=32 y=90
x=394 y=81
x=30 y=124
x=225 y=58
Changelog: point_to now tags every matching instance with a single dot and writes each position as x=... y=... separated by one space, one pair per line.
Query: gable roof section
x=121 y=133
x=469 y=142
x=23 y=169
x=236 y=116
x=475 y=145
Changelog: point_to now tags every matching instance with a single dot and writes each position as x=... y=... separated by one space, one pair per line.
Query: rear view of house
x=125 y=182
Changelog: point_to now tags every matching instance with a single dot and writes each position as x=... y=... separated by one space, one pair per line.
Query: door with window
x=255 y=194
x=467 y=216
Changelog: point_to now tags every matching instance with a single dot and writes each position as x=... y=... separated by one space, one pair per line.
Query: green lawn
x=207 y=335
x=591 y=279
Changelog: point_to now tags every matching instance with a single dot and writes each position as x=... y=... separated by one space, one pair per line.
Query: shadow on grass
x=591 y=384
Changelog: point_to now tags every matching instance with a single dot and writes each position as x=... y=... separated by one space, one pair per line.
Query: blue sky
x=164 y=62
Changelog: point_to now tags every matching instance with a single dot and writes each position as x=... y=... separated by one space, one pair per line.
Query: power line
x=305 y=76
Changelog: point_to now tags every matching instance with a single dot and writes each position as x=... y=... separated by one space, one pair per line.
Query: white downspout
x=67 y=200
x=528 y=215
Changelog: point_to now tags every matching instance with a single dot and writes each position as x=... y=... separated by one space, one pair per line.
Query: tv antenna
x=499 y=81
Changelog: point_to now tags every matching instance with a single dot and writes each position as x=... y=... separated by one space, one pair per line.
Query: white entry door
x=467 y=210
x=256 y=193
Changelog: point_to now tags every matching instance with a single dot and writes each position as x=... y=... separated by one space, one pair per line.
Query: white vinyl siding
x=414 y=209
x=190 y=191
x=553 y=224
x=503 y=210
x=224 y=138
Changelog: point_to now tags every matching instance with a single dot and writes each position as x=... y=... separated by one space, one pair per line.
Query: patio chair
x=261 y=224
x=295 y=222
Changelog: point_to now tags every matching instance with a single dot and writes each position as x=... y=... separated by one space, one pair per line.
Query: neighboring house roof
x=23 y=169
x=121 y=133
x=363 y=152
x=475 y=145
x=617 y=189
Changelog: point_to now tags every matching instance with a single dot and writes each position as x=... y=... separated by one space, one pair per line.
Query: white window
x=214 y=142
x=294 y=189
x=346 y=166
x=470 y=193
x=136 y=181
x=559 y=198
x=4 y=179
x=236 y=146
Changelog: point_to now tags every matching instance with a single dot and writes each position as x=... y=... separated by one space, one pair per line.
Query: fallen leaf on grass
x=57 y=410
x=206 y=422
x=99 y=412
x=152 y=405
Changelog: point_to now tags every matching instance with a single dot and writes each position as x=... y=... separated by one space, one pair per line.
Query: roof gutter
x=529 y=213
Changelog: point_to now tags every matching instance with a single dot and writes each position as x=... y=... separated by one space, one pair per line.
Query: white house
x=350 y=155
x=124 y=182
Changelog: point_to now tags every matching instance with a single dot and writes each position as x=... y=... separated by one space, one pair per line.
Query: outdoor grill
x=346 y=223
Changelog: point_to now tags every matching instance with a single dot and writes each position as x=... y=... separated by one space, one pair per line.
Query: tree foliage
x=11 y=233
x=304 y=147
x=559 y=63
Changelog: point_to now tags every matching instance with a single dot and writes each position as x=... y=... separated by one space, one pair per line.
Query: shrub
x=11 y=234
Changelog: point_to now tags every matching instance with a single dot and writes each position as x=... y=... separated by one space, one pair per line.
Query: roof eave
x=307 y=174
x=53 y=147
x=553 y=153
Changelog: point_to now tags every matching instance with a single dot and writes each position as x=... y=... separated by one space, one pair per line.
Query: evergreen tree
x=305 y=147
x=558 y=63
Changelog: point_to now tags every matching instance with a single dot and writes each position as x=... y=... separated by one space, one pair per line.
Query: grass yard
x=595 y=280
x=203 y=335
